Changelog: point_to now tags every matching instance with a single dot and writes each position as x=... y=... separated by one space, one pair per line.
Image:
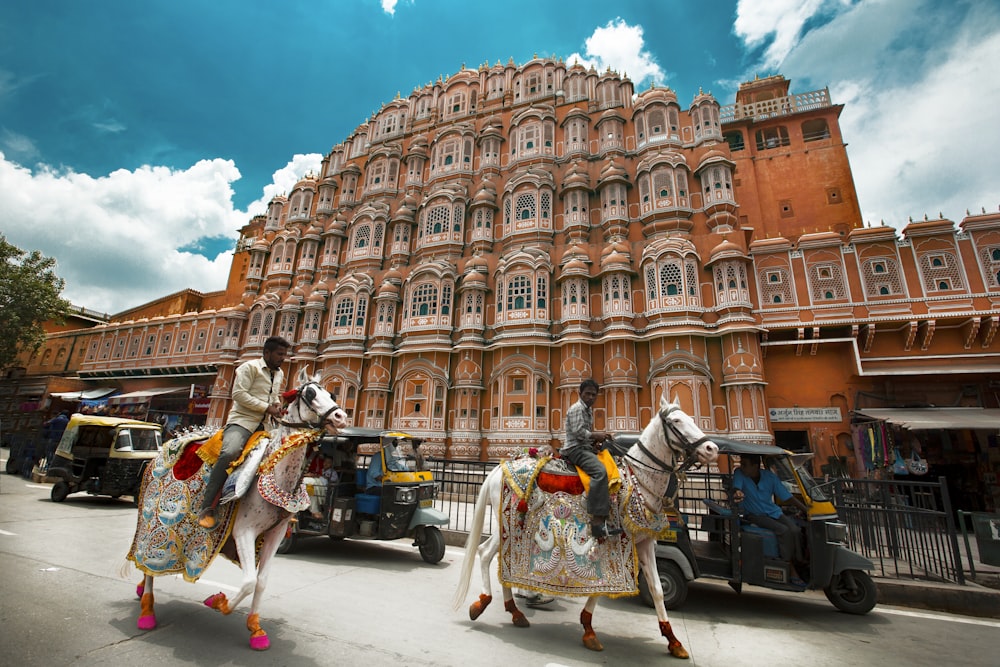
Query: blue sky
x=137 y=137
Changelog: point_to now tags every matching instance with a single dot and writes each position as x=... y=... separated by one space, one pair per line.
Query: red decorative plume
x=290 y=395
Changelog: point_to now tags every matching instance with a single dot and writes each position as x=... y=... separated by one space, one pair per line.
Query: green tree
x=29 y=297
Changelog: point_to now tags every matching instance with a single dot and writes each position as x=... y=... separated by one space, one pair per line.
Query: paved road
x=357 y=603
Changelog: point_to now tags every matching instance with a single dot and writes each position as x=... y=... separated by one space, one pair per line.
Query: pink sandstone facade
x=474 y=250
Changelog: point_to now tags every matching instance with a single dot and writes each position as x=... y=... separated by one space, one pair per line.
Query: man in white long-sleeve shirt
x=256 y=394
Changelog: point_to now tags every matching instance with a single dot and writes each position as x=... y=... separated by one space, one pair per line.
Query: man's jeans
x=598 y=498
x=234 y=439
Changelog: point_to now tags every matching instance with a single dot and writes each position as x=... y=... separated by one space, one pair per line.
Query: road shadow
x=97 y=503
x=195 y=634
x=394 y=555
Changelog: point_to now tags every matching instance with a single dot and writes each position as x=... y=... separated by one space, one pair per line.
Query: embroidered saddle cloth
x=168 y=539
x=545 y=540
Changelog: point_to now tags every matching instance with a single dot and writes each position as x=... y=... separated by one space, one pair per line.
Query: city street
x=356 y=603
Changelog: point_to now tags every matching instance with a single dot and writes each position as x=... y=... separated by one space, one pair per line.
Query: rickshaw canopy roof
x=78 y=420
x=727 y=446
x=357 y=435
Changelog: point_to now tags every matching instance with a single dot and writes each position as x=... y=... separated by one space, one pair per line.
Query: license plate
x=426 y=503
x=669 y=536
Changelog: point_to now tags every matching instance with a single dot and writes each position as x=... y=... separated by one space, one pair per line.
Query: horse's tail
x=126 y=568
x=472 y=542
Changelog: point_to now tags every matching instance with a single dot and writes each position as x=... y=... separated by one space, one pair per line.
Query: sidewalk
x=980 y=596
x=969 y=600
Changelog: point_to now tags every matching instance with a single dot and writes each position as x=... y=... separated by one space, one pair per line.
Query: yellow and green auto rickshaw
x=391 y=498
x=104 y=456
x=714 y=538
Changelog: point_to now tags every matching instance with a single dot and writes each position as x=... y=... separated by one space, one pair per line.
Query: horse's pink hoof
x=219 y=602
x=261 y=643
x=139 y=590
x=146 y=622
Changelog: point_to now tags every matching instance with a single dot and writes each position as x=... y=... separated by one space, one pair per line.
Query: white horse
x=168 y=538
x=646 y=470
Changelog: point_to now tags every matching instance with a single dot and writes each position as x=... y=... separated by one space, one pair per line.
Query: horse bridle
x=688 y=447
x=322 y=418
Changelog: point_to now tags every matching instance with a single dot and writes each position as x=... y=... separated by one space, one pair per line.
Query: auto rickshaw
x=359 y=507
x=710 y=538
x=104 y=456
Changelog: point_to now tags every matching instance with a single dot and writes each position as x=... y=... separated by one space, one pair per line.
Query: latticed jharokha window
x=827 y=282
x=881 y=277
x=617 y=295
x=424 y=302
x=776 y=287
x=344 y=312
x=990 y=256
x=941 y=272
x=672 y=282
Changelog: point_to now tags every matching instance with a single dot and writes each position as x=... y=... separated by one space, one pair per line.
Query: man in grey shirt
x=256 y=394
x=580 y=449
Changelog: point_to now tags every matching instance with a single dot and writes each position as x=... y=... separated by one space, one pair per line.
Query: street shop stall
x=171 y=407
x=960 y=444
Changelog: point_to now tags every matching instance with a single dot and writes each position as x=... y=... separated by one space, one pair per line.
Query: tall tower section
x=792 y=175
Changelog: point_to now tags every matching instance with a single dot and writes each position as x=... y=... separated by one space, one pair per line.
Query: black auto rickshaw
x=355 y=505
x=104 y=456
x=710 y=538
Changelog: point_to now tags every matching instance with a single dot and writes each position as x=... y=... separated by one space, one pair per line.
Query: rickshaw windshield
x=792 y=473
x=138 y=440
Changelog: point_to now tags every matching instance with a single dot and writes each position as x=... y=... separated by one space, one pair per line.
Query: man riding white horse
x=256 y=395
x=580 y=449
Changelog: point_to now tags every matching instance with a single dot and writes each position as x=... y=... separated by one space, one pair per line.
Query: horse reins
x=322 y=417
x=668 y=426
x=322 y=420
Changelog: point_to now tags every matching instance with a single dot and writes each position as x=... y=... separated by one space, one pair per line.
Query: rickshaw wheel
x=11 y=467
x=287 y=544
x=859 y=601
x=672 y=581
x=59 y=491
x=432 y=545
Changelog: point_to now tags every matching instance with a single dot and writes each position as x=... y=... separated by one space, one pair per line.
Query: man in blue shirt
x=394 y=461
x=756 y=489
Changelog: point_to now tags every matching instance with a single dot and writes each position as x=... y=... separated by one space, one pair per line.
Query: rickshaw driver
x=393 y=460
x=756 y=489
x=257 y=391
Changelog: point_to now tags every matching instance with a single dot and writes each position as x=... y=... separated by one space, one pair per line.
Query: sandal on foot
x=206 y=519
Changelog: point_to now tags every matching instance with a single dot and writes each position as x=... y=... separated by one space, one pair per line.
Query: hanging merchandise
x=899 y=465
x=916 y=465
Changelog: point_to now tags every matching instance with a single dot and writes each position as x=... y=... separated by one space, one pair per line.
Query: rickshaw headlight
x=836 y=532
x=406 y=495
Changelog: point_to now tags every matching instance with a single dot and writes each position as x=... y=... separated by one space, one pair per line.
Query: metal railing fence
x=906 y=528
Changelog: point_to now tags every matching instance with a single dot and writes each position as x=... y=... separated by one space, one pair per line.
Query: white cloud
x=619 y=46
x=18 y=145
x=118 y=239
x=285 y=178
x=917 y=106
x=389 y=6
x=779 y=20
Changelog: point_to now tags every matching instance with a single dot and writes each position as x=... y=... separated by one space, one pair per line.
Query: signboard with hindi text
x=805 y=414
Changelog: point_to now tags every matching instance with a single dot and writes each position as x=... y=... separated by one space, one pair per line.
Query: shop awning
x=144 y=395
x=85 y=394
x=924 y=419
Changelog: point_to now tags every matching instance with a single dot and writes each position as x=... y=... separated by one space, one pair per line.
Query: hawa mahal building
x=473 y=251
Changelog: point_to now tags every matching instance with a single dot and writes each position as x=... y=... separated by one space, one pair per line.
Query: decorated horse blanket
x=545 y=538
x=168 y=539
